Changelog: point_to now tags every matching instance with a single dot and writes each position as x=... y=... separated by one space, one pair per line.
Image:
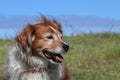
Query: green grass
x=91 y=56
x=5 y=45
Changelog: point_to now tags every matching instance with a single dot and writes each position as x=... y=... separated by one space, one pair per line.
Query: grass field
x=91 y=56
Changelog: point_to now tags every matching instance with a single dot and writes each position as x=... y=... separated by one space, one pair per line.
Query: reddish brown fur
x=38 y=30
x=39 y=42
x=23 y=36
x=52 y=23
x=65 y=74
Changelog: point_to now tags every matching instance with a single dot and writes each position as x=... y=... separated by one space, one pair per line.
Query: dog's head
x=44 y=40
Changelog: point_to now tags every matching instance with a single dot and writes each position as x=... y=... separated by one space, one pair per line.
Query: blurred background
x=91 y=28
x=76 y=16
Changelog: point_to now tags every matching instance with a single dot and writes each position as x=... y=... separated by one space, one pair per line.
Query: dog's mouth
x=53 y=56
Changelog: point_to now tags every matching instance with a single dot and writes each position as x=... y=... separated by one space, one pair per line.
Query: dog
x=38 y=53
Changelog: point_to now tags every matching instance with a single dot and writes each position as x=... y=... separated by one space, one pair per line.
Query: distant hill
x=17 y=21
x=72 y=25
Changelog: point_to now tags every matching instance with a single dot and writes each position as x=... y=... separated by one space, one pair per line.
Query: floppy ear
x=24 y=39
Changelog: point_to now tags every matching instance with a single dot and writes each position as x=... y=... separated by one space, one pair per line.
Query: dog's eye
x=49 y=37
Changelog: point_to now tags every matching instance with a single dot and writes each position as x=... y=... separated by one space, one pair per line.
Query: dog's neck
x=40 y=62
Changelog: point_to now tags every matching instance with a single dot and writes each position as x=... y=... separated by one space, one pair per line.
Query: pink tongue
x=59 y=59
x=48 y=56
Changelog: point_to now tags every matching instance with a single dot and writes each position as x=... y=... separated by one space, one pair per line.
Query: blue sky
x=83 y=15
x=99 y=8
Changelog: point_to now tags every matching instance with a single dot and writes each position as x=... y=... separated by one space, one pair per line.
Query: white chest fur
x=16 y=65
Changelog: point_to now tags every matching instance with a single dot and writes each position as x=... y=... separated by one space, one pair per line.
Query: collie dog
x=38 y=53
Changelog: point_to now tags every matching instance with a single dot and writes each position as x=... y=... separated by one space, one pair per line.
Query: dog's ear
x=25 y=38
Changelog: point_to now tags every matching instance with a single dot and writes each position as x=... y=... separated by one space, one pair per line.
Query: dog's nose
x=65 y=47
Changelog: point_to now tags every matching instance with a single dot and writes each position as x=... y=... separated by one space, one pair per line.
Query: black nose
x=65 y=47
